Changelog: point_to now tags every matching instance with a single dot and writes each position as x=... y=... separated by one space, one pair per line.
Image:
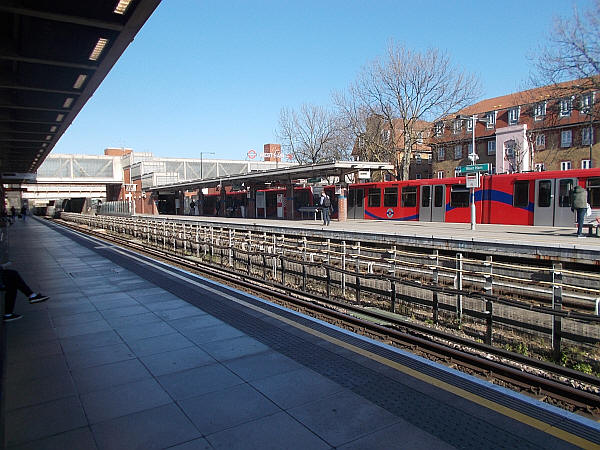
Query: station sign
x=473 y=168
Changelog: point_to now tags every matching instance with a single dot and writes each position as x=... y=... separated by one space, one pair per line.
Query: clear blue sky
x=212 y=76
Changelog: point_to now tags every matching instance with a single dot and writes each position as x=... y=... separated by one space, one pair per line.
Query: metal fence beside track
x=485 y=298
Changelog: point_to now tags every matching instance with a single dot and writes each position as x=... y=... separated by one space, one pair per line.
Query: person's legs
x=580 y=217
x=12 y=282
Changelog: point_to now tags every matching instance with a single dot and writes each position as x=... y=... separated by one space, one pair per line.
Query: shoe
x=38 y=298
x=12 y=317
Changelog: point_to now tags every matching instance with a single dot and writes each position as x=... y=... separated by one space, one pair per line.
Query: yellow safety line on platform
x=524 y=418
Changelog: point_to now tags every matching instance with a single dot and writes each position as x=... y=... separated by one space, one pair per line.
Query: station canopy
x=53 y=56
x=278 y=177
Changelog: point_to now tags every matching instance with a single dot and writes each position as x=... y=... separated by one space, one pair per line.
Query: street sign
x=474 y=168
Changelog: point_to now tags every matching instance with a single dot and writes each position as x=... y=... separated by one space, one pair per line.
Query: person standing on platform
x=192 y=208
x=325 y=208
x=13 y=213
x=24 y=212
x=13 y=282
x=579 y=205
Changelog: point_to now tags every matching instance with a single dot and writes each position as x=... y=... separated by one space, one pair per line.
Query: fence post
x=489 y=328
x=597 y=310
x=328 y=281
x=343 y=269
x=264 y=266
x=435 y=277
x=303 y=277
x=357 y=280
x=488 y=280
x=282 y=270
x=458 y=284
x=393 y=295
x=231 y=233
x=557 y=306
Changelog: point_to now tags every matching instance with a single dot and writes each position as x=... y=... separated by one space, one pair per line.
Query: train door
x=425 y=204
x=356 y=204
x=553 y=202
x=438 y=205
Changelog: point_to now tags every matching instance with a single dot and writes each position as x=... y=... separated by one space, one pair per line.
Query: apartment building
x=548 y=128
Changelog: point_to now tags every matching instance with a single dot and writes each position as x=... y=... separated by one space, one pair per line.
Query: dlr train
x=530 y=198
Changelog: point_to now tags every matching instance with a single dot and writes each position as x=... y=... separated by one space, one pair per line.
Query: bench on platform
x=593 y=223
x=309 y=209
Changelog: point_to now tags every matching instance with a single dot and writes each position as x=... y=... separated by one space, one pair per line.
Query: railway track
x=566 y=388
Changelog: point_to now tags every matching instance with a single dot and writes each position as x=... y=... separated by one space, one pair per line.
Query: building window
x=586 y=136
x=490 y=119
x=418 y=158
x=440 y=174
x=457 y=126
x=565 y=107
x=457 y=172
x=586 y=164
x=587 y=100
x=491 y=147
x=513 y=115
x=566 y=138
x=439 y=128
x=420 y=137
x=457 y=151
x=441 y=153
x=565 y=165
x=385 y=135
x=540 y=141
x=390 y=197
x=539 y=167
x=470 y=124
x=418 y=176
x=539 y=111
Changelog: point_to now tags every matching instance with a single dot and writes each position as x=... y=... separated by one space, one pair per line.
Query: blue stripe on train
x=413 y=217
x=495 y=196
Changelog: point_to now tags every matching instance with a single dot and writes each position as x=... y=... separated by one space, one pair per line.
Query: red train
x=533 y=198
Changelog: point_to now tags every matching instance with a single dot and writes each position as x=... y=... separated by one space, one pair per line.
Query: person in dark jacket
x=579 y=206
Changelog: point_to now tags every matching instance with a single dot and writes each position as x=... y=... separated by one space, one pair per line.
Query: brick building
x=548 y=128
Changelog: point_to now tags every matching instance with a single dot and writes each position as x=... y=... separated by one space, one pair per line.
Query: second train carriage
x=533 y=198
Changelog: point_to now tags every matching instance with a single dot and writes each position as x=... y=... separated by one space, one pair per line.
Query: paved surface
x=127 y=356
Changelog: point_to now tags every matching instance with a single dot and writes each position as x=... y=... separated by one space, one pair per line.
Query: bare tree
x=387 y=105
x=312 y=134
x=572 y=50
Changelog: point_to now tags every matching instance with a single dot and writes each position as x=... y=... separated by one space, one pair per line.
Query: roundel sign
x=251 y=154
x=389 y=213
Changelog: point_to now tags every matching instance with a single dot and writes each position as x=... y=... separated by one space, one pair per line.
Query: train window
x=593 y=187
x=390 y=197
x=521 y=194
x=374 y=197
x=564 y=193
x=438 y=196
x=459 y=196
x=409 y=196
x=425 y=196
x=544 y=193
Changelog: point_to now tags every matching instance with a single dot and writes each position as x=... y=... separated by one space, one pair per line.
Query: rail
x=476 y=295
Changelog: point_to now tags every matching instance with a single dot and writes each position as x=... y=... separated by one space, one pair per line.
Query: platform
x=131 y=353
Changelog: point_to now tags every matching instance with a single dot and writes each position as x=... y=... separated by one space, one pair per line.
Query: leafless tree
x=572 y=50
x=393 y=96
x=312 y=134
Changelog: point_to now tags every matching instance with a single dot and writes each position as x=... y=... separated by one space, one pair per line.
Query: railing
x=479 y=296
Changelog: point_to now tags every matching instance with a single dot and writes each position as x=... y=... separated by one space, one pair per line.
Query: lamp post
x=473 y=156
x=202 y=162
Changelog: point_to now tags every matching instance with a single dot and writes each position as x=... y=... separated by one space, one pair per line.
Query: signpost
x=473 y=168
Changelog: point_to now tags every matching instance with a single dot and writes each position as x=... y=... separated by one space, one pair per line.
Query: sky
x=212 y=76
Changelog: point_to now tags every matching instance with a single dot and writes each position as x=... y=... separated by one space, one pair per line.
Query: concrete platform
x=129 y=353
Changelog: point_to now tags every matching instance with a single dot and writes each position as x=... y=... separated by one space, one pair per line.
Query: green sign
x=314 y=180
x=474 y=168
